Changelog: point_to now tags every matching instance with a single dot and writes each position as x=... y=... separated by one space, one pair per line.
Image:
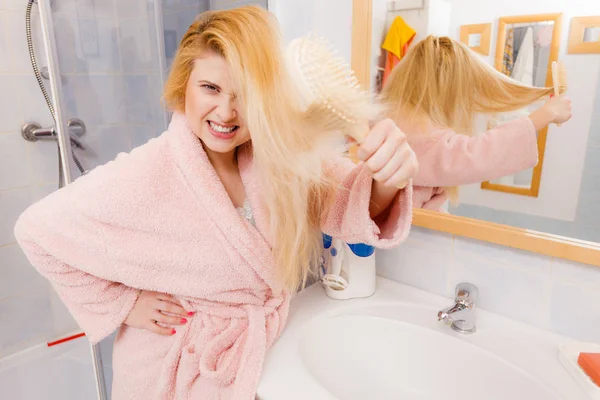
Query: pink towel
x=450 y=159
x=160 y=219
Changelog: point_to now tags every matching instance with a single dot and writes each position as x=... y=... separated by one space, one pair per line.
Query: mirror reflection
x=475 y=159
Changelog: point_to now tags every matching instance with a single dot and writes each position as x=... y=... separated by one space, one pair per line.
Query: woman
x=193 y=243
x=435 y=93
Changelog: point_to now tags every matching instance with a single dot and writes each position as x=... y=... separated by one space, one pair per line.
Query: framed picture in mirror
x=526 y=47
x=584 y=36
x=476 y=37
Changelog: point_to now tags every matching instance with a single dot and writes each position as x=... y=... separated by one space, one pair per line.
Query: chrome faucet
x=461 y=315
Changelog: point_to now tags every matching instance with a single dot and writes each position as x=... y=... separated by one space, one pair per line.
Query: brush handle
x=555 y=80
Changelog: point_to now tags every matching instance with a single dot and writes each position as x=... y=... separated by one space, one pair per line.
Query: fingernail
x=190 y=313
x=173 y=331
x=183 y=320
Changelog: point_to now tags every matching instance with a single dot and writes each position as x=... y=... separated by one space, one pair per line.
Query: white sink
x=391 y=346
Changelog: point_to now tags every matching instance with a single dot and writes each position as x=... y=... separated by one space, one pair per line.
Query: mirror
x=591 y=35
x=559 y=199
x=474 y=40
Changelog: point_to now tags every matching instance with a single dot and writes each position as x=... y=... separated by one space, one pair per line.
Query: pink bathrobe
x=160 y=219
x=450 y=159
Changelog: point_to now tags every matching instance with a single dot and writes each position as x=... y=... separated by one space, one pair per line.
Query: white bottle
x=350 y=269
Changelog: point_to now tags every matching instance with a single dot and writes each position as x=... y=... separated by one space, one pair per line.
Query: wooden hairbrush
x=330 y=89
x=559 y=78
x=331 y=92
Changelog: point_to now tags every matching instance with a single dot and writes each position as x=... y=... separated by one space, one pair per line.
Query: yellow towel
x=396 y=44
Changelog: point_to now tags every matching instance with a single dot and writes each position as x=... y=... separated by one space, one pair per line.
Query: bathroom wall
x=549 y=293
x=108 y=60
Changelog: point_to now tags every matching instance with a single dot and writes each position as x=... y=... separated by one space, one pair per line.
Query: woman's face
x=211 y=109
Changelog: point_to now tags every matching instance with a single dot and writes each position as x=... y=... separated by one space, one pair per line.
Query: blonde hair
x=443 y=83
x=290 y=174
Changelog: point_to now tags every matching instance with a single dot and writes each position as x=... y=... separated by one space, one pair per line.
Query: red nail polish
x=190 y=313
x=183 y=320
x=173 y=331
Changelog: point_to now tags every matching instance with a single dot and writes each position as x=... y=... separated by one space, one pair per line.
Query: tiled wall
x=549 y=293
x=109 y=62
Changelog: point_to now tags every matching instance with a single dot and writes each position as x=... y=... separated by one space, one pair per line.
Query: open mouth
x=222 y=131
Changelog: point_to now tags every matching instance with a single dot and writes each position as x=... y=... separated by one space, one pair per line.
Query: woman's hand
x=153 y=307
x=387 y=154
x=556 y=110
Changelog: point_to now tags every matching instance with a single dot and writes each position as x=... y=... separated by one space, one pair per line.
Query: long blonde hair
x=442 y=83
x=292 y=187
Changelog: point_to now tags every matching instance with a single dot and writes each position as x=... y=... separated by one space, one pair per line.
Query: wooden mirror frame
x=485 y=30
x=576 y=43
x=519 y=238
x=534 y=188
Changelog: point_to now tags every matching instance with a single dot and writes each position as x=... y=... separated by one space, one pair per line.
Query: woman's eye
x=210 y=88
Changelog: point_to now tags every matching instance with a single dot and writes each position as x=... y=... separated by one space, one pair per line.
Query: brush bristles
x=332 y=94
x=559 y=77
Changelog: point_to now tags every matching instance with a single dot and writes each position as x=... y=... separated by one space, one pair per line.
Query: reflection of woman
x=215 y=215
x=434 y=94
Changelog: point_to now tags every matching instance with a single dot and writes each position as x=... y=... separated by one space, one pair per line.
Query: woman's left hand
x=387 y=154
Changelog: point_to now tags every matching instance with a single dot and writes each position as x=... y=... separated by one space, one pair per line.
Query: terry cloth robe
x=160 y=219
x=447 y=158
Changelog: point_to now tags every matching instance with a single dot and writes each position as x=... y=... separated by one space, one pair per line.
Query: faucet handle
x=466 y=293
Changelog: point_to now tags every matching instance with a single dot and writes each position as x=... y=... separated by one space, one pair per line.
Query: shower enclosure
x=89 y=75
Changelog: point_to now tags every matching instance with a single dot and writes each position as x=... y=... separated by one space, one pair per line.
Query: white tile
x=140 y=134
x=43 y=156
x=95 y=46
x=10 y=110
x=12 y=203
x=422 y=261
x=575 y=311
x=99 y=99
x=464 y=247
x=518 y=293
x=66 y=30
x=27 y=320
x=137 y=99
x=15 y=5
x=18 y=275
x=157 y=108
x=583 y=274
x=15 y=25
x=106 y=58
x=63 y=372
x=33 y=103
x=84 y=8
x=39 y=192
x=70 y=96
x=61 y=7
x=5 y=55
x=139 y=51
x=133 y=8
x=15 y=170
x=103 y=143
x=63 y=323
